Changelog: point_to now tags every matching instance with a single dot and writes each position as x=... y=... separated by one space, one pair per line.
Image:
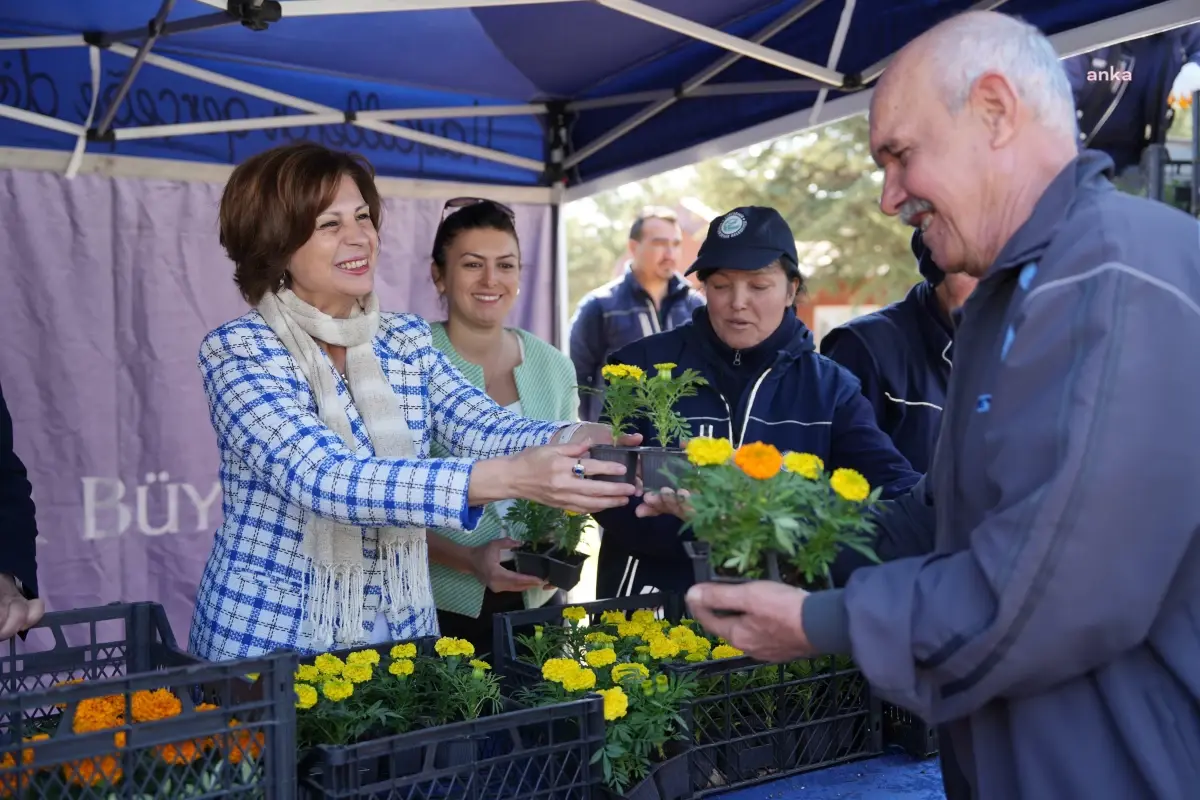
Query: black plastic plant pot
x=654 y=459
x=458 y=752
x=561 y=571
x=700 y=554
x=625 y=456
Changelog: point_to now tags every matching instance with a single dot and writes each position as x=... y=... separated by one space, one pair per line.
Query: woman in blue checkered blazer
x=325 y=408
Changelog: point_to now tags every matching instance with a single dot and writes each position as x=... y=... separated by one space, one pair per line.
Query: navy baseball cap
x=930 y=271
x=747 y=238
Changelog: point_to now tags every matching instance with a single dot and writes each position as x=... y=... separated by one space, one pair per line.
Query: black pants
x=954 y=780
x=478 y=630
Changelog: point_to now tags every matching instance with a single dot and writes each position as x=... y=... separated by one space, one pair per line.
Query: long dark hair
x=485 y=215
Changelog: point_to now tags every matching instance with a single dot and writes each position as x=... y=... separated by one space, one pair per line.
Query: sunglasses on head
x=459 y=203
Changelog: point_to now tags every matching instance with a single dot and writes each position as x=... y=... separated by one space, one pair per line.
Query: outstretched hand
x=667 y=501
x=492 y=573
x=767 y=622
x=547 y=476
x=17 y=613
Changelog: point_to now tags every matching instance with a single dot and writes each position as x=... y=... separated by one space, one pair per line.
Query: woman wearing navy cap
x=766 y=383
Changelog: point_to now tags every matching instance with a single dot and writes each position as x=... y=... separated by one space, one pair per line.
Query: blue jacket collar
x=1087 y=170
x=677 y=286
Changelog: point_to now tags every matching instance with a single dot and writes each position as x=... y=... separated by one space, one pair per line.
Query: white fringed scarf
x=337 y=570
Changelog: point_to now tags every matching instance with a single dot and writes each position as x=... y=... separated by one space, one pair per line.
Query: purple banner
x=110 y=285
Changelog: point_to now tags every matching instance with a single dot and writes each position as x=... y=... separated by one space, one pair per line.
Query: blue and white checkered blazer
x=279 y=463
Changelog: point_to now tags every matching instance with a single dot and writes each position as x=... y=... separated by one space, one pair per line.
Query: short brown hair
x=270 y=206
x=651 y=212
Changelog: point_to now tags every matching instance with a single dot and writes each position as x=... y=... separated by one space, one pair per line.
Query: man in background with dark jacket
x=20 y=607
x=649 y=298
x=902 y=355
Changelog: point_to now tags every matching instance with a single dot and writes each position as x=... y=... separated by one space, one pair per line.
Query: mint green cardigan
x=546 y=388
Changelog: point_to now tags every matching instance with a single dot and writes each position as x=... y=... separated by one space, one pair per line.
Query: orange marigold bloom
x=179 y=753
x=156 y=705
x=92 y=772
x=759 y=461
x=98 y=714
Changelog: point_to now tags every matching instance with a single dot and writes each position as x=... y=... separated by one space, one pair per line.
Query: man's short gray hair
x=973 y=44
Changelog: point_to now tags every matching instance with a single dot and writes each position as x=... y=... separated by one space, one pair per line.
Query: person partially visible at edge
x=649 y=298
x=1051 y=610
x=20 y=606
x=766 y=383
x=325 y=409
x=476 y=267
x=1121 y=95
x=902 y=355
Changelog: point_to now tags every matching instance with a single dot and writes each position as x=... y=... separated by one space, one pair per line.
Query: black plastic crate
x=754 y=722
x=518 y=754
x=138 y=723
x=909 y=732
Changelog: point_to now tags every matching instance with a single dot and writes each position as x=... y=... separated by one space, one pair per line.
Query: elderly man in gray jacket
x=1055 y=626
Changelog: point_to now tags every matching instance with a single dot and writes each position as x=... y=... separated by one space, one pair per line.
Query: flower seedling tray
x=561 y=571
x=141 y=718
x=617 y=454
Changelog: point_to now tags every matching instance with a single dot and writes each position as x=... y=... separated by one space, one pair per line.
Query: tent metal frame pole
x=155 y=30
x=729 y=42
x=41 y=120
x=835 y=54
x=317 y=8
x=43 y=42
x=299 y=103
x=689 y=86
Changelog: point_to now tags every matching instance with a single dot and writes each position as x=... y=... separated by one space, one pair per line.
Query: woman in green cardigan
x=477 y=271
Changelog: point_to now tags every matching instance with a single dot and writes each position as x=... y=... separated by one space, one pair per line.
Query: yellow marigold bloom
x=363 y=657
x=480 y=664
x=850 y=484
x=805 y=464
x=556 y=669
x=156 y=705
x=599 y=637
x=611 y=372
x=574 y=614
x=726 y=651
x=449 y=646
x=579 y=681
x=612 y=617
x=406 y=650
x=662 y=647
x=644 y=616
x=307 y=673
x=330 y=665
x=759 y=461
x=358 y=673
x=630 y=629
x=401 y=667
x=306 y=696
x=622 y=671
x=600 y=658
x=664 y=369
x=704 y=451
x=336 y=690
x=616 y=704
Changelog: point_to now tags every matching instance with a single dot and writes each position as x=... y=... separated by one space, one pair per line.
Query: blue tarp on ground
x=495 y=55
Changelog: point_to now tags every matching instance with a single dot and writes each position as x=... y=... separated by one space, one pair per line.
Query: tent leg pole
x=155 y=29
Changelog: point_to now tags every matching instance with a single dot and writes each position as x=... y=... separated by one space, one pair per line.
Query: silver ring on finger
x=578 y=471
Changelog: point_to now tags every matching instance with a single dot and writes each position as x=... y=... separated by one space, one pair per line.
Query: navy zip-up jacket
x=902 y=355
x=801 y=401
x=1057 y=614
x=1122 y=117
x=619 y=313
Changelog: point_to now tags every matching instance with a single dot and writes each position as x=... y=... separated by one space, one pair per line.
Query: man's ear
x=997 y=104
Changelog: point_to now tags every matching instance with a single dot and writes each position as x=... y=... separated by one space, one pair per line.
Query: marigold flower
x=574 y=614
x=662 y=647
x=93 y=771
x=307 y=673
x=401 y=667
x=556 y=669
x=630 y=629
x=579 y=681
x=480 y=664
x=337 y=690
x=306 y=696
x=643 y=616
x=759 y=461
x=616 y=703
x=156 y=705
x=805 y=464
x=611 y=372
x=600 y=658
x=406 y=650
x=850 y=484
x=448 y=646
x=358 y=673
x=704 y=451
x=329 y=665
x=622 y=671
x=612 y=617
x=370 y=657
x=725 y=651
x=599 y=637
x=179 y=753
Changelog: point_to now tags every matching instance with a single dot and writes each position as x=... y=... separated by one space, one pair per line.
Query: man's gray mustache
x=912 y=208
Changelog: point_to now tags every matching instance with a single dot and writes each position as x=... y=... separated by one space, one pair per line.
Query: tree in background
x=823 y=182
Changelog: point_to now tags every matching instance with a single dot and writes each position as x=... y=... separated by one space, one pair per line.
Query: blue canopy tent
x=532 y=100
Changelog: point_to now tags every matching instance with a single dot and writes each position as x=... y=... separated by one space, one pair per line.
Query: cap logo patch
x=731 y=226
